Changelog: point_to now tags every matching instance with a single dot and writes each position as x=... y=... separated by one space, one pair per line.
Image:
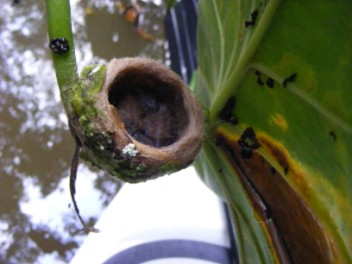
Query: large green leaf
x=286 y=74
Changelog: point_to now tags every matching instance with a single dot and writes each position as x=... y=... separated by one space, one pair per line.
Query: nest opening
x=150 y=106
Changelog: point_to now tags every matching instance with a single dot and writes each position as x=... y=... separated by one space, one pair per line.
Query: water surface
x=37 y=223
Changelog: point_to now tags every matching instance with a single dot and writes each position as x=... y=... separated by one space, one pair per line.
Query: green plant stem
x=244 y=60
x=59 y=25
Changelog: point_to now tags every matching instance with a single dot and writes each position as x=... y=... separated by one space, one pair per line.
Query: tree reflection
x=49 y=241
x=36 y=223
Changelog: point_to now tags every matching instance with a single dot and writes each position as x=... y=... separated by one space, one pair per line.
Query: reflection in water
x=37 y=225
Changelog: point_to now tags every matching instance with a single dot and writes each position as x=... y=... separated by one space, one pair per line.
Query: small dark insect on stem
x=59 y=45
x=251 y=22
x=73 y=177
x=290 y=78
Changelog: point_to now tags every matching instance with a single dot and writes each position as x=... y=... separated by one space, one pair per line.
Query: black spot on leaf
x=259 y=79
x=226 y=112
x=332 y=135
x=248 y=142
x=253 y=20
x=272 y=170
x=267 y=214
x=290 y=78
x=270 y=83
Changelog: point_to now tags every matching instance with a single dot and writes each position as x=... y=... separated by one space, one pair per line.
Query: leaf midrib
x=298 y=91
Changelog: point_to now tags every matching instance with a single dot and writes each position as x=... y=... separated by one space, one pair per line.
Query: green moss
x=93 y=77
x=83 y=98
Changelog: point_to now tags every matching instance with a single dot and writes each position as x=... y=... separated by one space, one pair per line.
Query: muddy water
x=37 y=223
